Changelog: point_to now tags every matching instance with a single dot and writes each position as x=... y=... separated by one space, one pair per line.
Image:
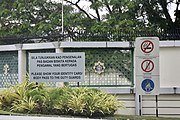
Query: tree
x=118 y=14
x=121 y=17
x=128 y=16
x=105 y=27
x=157 y=13
x=30 y=17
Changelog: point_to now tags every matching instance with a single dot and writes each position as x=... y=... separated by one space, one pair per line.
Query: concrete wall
x=170 y=66
x=168 y=105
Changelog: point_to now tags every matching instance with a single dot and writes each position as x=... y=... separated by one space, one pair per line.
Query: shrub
x=25 y=105
x=6 y=98
x=77 y=101
x=85 y=102
x=58 y=99
x=30 y=97
x=24 y=97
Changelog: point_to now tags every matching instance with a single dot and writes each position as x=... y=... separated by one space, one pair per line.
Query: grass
x=131 y=117
x=115 y=117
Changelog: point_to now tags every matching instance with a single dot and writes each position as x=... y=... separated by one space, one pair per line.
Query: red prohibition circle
x=147 y=65
x=147 y=46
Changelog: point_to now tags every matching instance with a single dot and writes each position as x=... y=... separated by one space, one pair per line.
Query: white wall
x=170 y=66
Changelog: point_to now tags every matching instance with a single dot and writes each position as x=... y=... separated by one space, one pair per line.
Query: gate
x=116 y=67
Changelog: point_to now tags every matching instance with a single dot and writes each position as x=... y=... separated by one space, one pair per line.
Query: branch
x=177 y=12
x=164 y=3
x=108 y=7
x=98 y=15
x=76 y=4
x=93 y=16
x=96 y=10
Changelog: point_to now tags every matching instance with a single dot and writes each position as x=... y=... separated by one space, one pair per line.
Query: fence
x=118 y=63
x=120 y=35
x=117 y=77
x=9 y=68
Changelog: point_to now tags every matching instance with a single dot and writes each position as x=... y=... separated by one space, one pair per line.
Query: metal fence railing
x=121 y=35
x=117 y=67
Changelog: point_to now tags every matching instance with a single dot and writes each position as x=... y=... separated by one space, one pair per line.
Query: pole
x=62 y=18
x=137 y=101
x=62 y=22
x=140 y=110
x=156 y=106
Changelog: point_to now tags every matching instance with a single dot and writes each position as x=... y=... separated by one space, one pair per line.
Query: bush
x=30 y=97
x=6 y=98
x=20 y=98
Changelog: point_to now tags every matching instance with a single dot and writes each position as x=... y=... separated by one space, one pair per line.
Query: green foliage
x=100 y=104
x=77 y=101
x=25 y=105
x=23 y=97
x=30 y=97
x=6 y=98
x=43 y=18
x=84 y=102
x=30 y=17
x=58 y=100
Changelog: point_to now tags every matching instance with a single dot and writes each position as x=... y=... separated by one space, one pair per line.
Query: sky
x=172 y=8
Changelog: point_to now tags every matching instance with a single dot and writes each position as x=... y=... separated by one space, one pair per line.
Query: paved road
x=7 y=117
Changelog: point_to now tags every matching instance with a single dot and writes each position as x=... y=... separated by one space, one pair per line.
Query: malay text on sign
x=57 y=67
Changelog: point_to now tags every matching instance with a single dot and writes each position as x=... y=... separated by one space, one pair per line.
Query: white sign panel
x=147 y=65
x=147 y=46
x=57 y=67
x=147 y=86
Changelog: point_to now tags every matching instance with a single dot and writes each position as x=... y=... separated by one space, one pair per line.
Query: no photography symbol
x=147 y=46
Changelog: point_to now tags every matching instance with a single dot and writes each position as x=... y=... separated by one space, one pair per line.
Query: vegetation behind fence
x=121 y=35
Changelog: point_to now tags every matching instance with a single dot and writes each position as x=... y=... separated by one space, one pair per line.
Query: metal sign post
x=146 y=69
